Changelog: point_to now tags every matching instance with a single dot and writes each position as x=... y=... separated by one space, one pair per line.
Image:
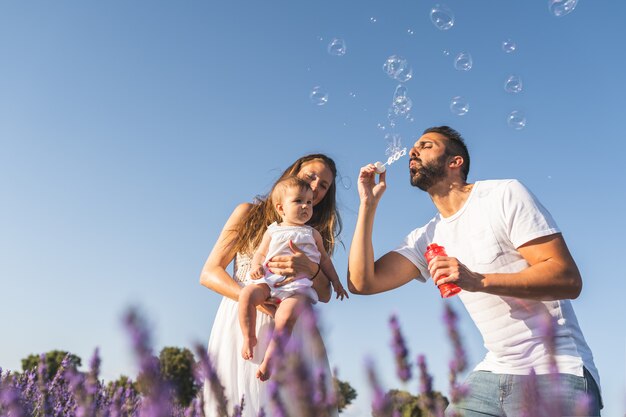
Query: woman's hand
x=268 y=307
x=291 y=265
x=300 y=264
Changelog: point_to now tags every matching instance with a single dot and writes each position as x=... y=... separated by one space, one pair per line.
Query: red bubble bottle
x=448 y=289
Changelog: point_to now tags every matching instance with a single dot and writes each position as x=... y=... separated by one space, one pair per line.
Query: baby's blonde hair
x=280 y=188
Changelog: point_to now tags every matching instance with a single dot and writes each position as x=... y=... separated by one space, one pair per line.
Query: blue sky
x=130 y=130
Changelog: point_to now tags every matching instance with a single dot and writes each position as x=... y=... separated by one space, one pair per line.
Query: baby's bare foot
x=247 y=352
x=263 y=373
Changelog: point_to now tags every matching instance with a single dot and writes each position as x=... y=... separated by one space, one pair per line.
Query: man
x=511 y=261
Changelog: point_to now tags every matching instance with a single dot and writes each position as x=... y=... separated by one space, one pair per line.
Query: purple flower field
x=82 y=394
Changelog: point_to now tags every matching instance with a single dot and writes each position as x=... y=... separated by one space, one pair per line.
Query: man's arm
x=552 y=273
x=392 y=270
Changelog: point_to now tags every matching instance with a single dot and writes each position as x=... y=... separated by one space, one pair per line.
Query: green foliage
x=53 y=362
x=177 y=366
x=345 y=393
x=122 y=381
x=415 y=406
x=176 y=369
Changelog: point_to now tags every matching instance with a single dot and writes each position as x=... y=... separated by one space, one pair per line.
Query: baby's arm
x=326 y=265
x=257 y=270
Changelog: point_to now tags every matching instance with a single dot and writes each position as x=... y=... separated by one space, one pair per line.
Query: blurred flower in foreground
x=400 y=351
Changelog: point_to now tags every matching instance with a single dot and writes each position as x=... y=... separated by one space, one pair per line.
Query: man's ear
x=456 y=161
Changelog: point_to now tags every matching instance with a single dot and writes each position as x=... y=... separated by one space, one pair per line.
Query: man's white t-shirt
x=498 y=217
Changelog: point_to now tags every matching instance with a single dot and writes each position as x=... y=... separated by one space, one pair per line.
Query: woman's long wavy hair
x=325 y=219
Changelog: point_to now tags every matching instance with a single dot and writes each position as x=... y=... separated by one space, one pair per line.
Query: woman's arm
x=214 y=275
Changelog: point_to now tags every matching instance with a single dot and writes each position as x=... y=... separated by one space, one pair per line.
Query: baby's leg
x=250 y=297
x=285 y=318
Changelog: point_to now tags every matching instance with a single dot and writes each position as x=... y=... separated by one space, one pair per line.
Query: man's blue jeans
x=505 y=395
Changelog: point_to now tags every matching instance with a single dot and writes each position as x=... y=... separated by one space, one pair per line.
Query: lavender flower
x=304 y=386
x=43 y=404
x=459 y=362
x=547 y=328
x=115 y=406
x=237 y=412
x=381 y=405
x=157 y=401
x=293 y=375
x=426 y=385
x=583 y=403
x=10 y=401
x=209 y=376
x=450 y=319
x=278 y=407
x=530 y=396
x=403 y=367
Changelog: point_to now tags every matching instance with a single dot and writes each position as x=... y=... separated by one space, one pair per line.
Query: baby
x=293 y=200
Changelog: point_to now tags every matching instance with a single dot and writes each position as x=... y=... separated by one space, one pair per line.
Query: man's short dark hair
x=454 y=146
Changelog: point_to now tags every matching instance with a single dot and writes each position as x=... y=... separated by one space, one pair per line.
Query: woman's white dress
x=238 y=376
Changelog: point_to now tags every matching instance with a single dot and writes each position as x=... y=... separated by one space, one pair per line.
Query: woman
x=238 y=240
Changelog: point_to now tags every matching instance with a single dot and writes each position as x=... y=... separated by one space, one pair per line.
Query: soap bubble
x=463 y=62
x=442 y=17
x=508 y=46
x=410 y=31
x=337 y=47
x=318 y=96
x=561 y=7
x=398 y=68
x=459 y=106
x=446 y=52
x=373 y=19
x=402 y=103
x=405 y=75
x=513 y=84
x=516 y=119
x=346 y=182
x=394 y=143
x=401 y=91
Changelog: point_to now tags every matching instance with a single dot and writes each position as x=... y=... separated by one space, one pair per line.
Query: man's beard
x=429 y=174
